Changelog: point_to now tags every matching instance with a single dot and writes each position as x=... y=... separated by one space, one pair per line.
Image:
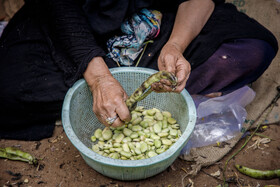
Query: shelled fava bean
x=149 y=133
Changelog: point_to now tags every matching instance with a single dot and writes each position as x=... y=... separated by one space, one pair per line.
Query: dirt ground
x=60 y=164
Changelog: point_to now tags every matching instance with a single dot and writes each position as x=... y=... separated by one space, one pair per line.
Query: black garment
x=32 y=87
x=107 y=16
x=47 y=45
x=74 y=43
x=225 y=24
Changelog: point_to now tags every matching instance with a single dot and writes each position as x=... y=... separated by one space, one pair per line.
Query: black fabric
x=32 y=87
x=225 y=24
x=106 y=16
x=47 y=45
x=73 y=43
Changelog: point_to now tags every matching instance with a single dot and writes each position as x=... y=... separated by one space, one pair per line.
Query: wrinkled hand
x=172 y=60
x=108 y=95
x=109 y=100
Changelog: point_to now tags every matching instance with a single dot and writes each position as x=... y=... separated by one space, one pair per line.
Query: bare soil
x=60 y=164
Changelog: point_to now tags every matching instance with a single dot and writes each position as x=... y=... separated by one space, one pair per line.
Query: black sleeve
x=71 y=36
x=73 y=31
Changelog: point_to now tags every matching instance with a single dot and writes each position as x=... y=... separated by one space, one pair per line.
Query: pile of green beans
x=149 y=133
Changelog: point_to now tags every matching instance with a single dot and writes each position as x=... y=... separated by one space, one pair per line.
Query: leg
x=233 y=65
x=32 y=88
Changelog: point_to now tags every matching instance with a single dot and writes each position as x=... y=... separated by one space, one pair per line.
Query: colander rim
x=85 y=151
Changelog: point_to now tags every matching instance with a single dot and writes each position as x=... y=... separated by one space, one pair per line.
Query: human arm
x=108 y=95
x=190 y=19
x=73 y=33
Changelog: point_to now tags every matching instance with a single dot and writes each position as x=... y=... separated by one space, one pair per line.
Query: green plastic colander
x=79 y=123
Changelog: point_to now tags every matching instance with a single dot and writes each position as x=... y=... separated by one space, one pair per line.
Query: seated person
x=48 y=45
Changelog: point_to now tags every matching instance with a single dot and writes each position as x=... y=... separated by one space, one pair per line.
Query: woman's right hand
x=108 y=95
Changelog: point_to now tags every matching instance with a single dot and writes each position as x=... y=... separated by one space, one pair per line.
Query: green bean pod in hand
x=139 y=94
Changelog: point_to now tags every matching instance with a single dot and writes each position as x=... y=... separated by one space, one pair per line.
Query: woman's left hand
x=172 y=60
x=191 y=17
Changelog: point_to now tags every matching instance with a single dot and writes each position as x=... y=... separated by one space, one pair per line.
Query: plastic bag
x=220 y=118
x=3 y=24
